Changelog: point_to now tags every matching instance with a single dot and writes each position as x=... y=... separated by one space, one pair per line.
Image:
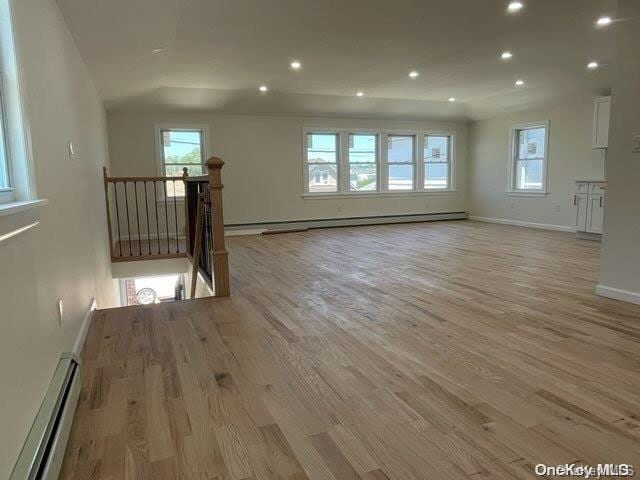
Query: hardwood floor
x=448 y=350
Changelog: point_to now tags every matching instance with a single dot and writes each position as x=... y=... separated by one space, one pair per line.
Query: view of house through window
x=530 y=153
x=149 y=290
x=345 y=162
x=436 y=161
x=363 y=163
x=182 y=148
x=322 y=162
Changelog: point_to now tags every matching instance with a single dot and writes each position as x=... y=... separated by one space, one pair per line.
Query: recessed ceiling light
x=296 y=65
x=359 y=94
x=593 y=65
x=263 y=88
x=157 y=50
x=452 y=99
x=506 y=55
x=519 y=83
x=413 y=74
x=604 y=21
x=515 y=6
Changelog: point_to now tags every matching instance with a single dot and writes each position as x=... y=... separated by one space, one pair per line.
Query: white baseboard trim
x=618 y=294
x=237 y=233
x=516 y=223
x=84 y=328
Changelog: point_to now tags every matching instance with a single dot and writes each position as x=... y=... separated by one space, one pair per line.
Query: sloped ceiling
x=217 y=52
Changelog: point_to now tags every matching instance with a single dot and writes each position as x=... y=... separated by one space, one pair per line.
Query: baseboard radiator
x=43 y=452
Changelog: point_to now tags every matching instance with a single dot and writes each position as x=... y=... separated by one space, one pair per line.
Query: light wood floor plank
x=450 y=350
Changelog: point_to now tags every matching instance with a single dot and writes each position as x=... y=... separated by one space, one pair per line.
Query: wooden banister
x=220 y=256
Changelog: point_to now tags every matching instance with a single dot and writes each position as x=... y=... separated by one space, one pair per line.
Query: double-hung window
x=181 y=147
x=363 y=162
x=437 y=162
x=400 y=162
x=529 y=157
x=322 y=162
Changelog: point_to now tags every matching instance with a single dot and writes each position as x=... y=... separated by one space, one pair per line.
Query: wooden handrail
x=141 y=179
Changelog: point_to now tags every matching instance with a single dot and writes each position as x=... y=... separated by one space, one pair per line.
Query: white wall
x=66 y=255
x=620 y=266
x=263 y=171
x=570 y=158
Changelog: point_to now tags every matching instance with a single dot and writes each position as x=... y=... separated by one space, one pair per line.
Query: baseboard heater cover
x=345 y=222
x=43 y=452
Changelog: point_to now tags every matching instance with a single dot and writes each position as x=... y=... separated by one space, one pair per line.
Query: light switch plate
x=636 y=144
x=60 y=311
x=72 y=151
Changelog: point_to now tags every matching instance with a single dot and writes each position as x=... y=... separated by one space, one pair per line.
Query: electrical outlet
x=636 y=144
x=340 y=208
x=60 y=311
x=557 y=208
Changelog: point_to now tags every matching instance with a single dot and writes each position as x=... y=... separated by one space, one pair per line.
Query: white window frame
x=21 y=193
x=449 y=162
x=340 y=158
x=181 y=127
x=413 y=163
x=513 y=152
x=382 y=167
x=347 y=167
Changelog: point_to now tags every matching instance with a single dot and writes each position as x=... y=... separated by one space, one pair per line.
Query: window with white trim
x=529 y=146
x=437 y=162
x=401 y=162
x=321 y=162
x=181 y=147
x=363 y=162
x=360 y=162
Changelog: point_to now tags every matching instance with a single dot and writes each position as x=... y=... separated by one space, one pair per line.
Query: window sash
x=518 y=179
x=5 y=177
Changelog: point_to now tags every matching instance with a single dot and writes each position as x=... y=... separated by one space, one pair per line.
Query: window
x=529 y=162
x=360 y=162
x=437 y=158
x=181 y=147
x=363 y=163
x=322 y=162
x=400 y=162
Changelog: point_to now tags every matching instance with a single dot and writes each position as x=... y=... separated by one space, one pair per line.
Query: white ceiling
x=217 y=52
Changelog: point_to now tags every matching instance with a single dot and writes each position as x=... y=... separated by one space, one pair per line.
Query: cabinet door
x=601 y=117
x=595 y=214
x=581 y=201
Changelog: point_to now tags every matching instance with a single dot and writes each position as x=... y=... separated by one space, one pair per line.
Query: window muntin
x=529 y=157
x=322 y=162
x=400 y=162
x=363 y=162
x=182 y=148
x=437 y=162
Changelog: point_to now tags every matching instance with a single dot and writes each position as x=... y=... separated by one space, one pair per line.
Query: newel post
x=105 y=178
x=219 y=255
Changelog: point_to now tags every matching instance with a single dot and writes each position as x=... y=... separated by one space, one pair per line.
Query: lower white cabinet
x=589 y=207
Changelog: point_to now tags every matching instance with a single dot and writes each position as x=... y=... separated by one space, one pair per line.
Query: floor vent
x=43 y=452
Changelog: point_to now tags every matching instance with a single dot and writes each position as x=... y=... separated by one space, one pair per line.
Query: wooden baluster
x=187 y=239
x=219 y=255
x=106 y=198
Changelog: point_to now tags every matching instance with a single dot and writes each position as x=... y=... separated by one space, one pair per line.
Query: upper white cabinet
x=601 y=117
